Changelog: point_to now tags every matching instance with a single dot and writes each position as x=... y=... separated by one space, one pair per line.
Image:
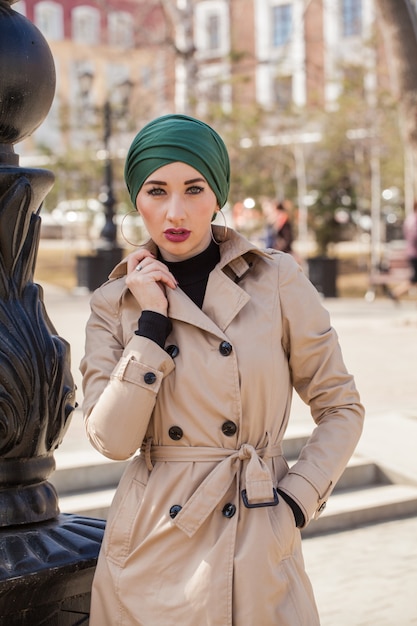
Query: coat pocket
x=284 y=528
x=282 y=518
x=123 y=512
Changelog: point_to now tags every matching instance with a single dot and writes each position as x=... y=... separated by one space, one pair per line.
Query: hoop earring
x=213 y=238
x=224 y=230
x=135 y=245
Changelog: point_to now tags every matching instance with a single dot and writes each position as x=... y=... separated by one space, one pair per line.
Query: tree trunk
x=398 y=23
x=181 y=15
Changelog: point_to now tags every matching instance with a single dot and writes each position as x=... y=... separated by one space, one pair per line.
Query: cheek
x=143 y=207
x=147 y=217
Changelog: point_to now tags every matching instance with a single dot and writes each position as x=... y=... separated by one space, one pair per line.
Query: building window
x=120 y=29
x=213 y=32
x=281 y=24
x=49 y=19
x=351 y=13
x=86 y=25
x=211 y=28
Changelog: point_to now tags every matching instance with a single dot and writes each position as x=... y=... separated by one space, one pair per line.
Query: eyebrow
x=195 y=180
x=186 y=182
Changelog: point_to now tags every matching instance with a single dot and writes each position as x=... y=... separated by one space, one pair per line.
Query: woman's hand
x=147 y=279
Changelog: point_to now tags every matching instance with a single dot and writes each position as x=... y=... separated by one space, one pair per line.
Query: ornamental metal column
x=47 y=559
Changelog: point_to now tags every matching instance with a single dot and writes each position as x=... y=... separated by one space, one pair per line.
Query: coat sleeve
x=120 y=382
x=320 y=378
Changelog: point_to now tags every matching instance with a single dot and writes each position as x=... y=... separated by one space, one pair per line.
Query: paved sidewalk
x=366 y=576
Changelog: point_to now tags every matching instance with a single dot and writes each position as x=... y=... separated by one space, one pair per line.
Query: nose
x=175 y=210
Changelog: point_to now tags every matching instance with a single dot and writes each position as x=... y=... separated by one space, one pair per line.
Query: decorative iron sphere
x=27 y=76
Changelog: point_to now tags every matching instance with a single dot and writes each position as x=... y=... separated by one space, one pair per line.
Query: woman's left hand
x=147 y=279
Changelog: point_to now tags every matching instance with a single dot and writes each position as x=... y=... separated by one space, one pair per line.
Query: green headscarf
x=172 y=138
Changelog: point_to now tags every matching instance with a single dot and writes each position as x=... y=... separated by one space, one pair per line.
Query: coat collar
x=232 y=249
x=224 y=298
x=222 y=302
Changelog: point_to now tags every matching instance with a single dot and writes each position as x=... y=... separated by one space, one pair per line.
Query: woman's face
x=177 y=206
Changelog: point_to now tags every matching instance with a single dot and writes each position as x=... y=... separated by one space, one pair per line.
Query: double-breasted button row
x=228 y=510
x=229 y=429
x=225 y=348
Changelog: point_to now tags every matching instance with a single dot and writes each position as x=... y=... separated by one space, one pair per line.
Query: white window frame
x=357 y=32
x=85 y=23
x=203 y=12
x=49 y=18
x=286 y=60
x=291 y=30
x=120 y=29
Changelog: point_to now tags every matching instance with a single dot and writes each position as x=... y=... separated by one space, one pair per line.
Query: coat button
x=321 y=508
x=149 y=378
x=174 y=510
x=225 y=348
x=172 y=350
x=229 y=510
x=229 y=428
x=175 y=432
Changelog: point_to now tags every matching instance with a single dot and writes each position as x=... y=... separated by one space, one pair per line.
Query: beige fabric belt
x=258 y=480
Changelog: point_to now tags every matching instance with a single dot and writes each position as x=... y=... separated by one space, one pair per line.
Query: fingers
x=136 y=257
x=149 y=274
x=149 y=270
x=148 y=280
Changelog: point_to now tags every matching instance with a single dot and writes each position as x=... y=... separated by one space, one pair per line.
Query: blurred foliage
x=338 y=175
x=340 y=172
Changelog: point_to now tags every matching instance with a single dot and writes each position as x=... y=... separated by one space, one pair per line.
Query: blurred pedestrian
x=279 y=233
x=410 y=236
x=192 y=352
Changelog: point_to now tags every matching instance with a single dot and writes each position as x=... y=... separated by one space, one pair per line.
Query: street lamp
x=94 y=270
x=107 y=197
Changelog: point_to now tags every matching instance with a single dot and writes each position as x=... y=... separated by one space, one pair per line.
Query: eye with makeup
x=194 y=190
x=155 y=191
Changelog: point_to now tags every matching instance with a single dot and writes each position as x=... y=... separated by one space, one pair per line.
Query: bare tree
x=181 y=15
x=398 y=24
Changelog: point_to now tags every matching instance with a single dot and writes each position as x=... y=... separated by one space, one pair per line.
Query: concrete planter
x=322 y=272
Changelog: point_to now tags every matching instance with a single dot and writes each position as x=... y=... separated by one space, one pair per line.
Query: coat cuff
x=143 y=363
x=308 y=487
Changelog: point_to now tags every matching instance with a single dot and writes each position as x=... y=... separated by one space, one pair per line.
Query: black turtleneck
x=192 y=276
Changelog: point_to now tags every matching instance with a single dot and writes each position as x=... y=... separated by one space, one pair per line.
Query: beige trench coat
x=210 y=412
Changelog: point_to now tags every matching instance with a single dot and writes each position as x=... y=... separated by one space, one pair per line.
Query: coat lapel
x=224 y=299
x=222 y=302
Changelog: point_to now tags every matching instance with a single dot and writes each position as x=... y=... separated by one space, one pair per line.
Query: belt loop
x=148 y=459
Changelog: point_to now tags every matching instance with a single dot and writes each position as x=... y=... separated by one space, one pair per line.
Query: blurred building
x=149 y=57
x=113 y=52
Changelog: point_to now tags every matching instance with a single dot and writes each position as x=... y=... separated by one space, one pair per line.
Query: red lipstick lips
x=177 y=235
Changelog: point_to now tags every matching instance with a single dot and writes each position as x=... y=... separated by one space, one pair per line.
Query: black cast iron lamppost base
x=47 y=559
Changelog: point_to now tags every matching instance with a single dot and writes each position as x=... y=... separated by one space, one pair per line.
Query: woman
x=193 y=348
x=279 y=230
